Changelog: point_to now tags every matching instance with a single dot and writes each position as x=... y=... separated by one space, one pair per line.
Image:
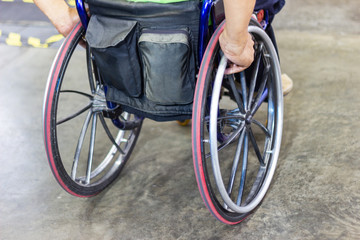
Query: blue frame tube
x=203 y=31
x=80 y=7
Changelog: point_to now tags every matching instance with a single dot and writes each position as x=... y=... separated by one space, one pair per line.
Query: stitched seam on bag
x=131 y=67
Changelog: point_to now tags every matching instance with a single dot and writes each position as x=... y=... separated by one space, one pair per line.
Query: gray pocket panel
x=166 y=57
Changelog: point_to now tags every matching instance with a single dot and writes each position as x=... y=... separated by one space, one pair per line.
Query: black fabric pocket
x=168 y=66
x=114 y=46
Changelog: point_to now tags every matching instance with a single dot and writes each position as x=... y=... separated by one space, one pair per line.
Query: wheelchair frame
x=224 y=127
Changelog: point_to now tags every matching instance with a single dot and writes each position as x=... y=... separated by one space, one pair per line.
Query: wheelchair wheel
x=237 y=128
x=86 y=152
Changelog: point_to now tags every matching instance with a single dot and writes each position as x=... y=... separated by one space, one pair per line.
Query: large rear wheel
x=86 y=152
x=237 y=128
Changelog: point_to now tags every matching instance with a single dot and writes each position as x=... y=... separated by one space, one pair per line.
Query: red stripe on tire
x=52 y=87
x=197 y=156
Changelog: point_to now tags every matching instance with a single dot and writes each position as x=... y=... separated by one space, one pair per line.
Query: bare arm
x=60 y=14
x=235 y=41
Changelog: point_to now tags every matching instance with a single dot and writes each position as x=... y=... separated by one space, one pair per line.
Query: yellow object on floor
x=184 y=122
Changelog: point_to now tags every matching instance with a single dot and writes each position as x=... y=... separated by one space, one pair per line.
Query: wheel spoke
x=262 y=127
x=256 y=147
x=110 y=136
x=91 y=149
x=255 y=74
x=79 y=145
x=229 y=140
x=78 y=92
x=262 y=91
x=243 y=169
x=235 y=162
x=74 y=115
x=237 y=116
x=78 y=112
x=256 y=185
x=243 y=90
x=111 y=154
x=236 y=94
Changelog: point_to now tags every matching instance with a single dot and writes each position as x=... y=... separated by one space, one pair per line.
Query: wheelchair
x=91 y=129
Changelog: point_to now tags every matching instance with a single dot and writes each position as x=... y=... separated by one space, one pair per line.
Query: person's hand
x=68 y=21
x=240 y=51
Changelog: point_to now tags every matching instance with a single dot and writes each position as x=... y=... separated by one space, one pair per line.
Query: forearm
x=53 y=9
x=235 y=41
x=59 y=13
x=238 y=14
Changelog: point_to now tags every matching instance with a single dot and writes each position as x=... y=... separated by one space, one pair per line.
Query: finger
x=233 y=69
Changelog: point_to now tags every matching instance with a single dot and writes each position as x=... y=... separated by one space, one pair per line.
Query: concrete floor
x=315 y=193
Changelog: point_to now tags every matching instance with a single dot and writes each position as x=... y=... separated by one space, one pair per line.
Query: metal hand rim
x=213 y=130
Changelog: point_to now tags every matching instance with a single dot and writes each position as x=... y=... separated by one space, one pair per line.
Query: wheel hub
x=99 y=101
x=248 y=118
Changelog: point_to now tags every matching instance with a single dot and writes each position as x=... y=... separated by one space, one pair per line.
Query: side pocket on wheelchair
x=113 y=44
x=168 y=65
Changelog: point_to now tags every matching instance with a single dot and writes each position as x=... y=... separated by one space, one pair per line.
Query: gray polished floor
x=315 y=193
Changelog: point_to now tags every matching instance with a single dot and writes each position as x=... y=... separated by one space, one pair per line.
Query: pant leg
x=271 y=6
